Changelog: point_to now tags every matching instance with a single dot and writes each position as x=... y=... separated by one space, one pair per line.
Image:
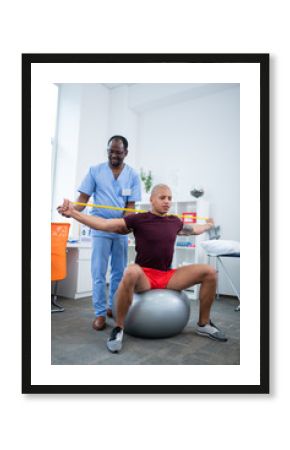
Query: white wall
x=123 y=120
x=67 y=140
x=94 y=128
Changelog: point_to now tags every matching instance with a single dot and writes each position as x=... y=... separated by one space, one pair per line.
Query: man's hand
x=210 y=222
x=66 y=209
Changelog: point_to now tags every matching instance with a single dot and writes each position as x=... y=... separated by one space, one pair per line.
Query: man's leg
x=134 y=280
x=99 y=265
x=119 y=259
x=187 y=276
x=203 y=274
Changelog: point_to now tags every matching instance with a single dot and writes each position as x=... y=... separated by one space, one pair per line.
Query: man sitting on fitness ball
x=155 y=234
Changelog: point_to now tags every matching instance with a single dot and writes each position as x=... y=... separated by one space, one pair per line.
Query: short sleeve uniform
x=106 y=190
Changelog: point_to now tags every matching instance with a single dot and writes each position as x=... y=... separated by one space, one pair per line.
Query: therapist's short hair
x=120 y=138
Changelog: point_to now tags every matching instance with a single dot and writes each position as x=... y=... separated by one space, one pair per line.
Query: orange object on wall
x=59 y=237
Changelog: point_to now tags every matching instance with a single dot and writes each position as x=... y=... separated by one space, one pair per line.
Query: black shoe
x=114 y=343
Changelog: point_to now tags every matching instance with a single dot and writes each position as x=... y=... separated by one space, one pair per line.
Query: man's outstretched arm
x=189 y=229
x=98 y=223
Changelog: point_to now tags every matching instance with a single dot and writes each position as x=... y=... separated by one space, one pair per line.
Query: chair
x=59 y=237
x=217 y=248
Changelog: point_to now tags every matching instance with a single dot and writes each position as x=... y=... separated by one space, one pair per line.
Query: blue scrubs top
x=106 y=190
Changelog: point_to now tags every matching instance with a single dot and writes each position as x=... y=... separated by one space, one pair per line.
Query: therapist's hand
x=66 y=209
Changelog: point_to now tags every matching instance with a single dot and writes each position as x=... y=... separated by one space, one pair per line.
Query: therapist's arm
x=82 y=198
x=129 y=205
x=98 y=223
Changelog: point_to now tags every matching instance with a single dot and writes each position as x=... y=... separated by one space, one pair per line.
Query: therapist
x=111 y=183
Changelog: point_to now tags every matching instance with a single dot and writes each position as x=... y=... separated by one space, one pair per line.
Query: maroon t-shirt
x=155 y=238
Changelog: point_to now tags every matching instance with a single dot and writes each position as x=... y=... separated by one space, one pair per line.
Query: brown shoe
x=99 y=323
x=109 y=312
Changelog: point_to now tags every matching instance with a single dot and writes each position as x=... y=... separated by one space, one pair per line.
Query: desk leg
x=230 y=281
x=57 y=306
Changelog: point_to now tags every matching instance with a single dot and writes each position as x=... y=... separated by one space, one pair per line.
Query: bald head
x=159 y=187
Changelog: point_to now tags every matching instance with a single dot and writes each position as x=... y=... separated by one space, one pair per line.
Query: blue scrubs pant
x=102 y=249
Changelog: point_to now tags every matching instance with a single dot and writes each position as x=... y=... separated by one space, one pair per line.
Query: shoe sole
x=99 y=328
x=211 y=337
x=116 y=349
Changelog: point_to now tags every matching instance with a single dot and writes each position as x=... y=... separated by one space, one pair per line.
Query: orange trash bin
x=59 y=237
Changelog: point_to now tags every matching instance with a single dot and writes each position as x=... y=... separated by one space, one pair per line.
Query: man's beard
x=116 y=162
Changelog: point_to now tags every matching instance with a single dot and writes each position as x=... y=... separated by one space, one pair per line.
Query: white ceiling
x=115 y=85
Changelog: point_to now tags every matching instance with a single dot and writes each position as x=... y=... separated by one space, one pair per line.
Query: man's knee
x=131 y=274
x=211 y=273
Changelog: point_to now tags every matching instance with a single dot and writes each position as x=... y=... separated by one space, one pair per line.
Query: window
x=52 y=110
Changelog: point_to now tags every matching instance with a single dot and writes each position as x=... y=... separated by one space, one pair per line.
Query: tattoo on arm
x=187 y=230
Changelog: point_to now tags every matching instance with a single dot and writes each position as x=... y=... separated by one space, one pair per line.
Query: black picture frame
x=263 y=61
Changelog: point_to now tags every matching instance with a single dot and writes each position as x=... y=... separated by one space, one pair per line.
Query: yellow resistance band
x=117 y=208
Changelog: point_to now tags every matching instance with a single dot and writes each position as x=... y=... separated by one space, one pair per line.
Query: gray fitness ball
x=158 y=313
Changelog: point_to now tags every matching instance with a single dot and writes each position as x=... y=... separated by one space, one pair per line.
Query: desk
x=78 y=283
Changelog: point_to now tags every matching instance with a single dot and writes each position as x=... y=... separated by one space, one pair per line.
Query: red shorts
x=158 y=278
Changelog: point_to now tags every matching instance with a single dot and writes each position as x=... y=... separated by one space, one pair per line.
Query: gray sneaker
x=114 y=343
x=211 y=331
